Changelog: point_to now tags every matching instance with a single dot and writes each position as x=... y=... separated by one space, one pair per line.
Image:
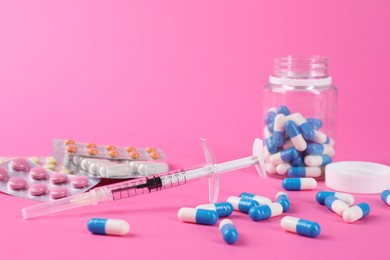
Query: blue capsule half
x=384 y=196
x=223 y=209
x=283 y=110
x=229 y=231
x=289 y=154
x=314 y=123
x=315 y=149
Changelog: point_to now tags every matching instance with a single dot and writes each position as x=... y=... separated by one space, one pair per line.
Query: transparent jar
x=299 y=112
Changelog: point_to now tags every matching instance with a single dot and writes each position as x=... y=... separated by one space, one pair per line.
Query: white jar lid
x=357 y=177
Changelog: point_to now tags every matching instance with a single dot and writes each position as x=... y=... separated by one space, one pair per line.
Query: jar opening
x=301 y=67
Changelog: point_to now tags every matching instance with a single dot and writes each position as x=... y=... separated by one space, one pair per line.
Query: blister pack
x=115 y=169
x=24 y=178
x=65 y=150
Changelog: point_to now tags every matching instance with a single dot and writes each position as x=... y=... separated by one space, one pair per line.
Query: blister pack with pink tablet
x=66 y=149
x=23 y=178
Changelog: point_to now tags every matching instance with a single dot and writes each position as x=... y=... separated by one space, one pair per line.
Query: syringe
x=145 y=185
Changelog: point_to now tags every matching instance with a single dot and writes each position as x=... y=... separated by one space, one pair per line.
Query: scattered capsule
x=300 y=226
x=270 y=116
x=260 y=199
x=242 y=205
x=198 y=216
x=322 y=195
x=279 y=133
x=283 y=110
x=295 y=135
x=223 y=209
x=320 y=149
x=357 y=212
x=304 y=172
x=265 y=211
x=282 y=198
x=336 y=205
x=317 y=160
x=229 y=231
x=103 y=226
x=299 y=184
x=284 y=156
x=385 y=196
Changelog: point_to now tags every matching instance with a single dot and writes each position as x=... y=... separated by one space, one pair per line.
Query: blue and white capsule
x=295 y=184
x=284 y=156
x=305 y=128
x=242 y=205
x=282 y=198
x=385 y=196
x=314 y=123
x=104 y=226
x=357 y=212
x=279 y=134
x=322 y=195
x=314 y=172
x=229 y=231
x=320 y=149
x=336 y=205
x=317 y=160
x=198 y=216
x=295 y=135
x=319 y=137
x=265 y=211
x=223 y=209
x=300 y=226
x=260 y=199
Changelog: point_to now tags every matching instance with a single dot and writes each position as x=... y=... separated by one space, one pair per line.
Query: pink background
x=164 y=73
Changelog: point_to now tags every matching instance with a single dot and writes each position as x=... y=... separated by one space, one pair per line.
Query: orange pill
x=92 y=151
x=134 y=155
x=69 y=141
x=113 y=153
x=154 y=155
x=90 y=145
x=110 y=147
x=130 y=148
x=150 y=149
x=71 y=148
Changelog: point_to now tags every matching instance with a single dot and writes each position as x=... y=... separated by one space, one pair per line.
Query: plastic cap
x=357 y=177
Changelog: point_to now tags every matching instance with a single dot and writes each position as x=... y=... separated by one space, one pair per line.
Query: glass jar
x=299 y=111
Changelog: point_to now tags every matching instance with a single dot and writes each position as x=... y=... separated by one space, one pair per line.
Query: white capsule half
x=319 y=137
x=282 y=168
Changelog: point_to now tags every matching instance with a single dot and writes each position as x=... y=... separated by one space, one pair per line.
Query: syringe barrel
x=157 y=182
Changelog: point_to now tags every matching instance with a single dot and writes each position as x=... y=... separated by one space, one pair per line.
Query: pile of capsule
x=343 y=205
x=257 y=207
x=294 y=145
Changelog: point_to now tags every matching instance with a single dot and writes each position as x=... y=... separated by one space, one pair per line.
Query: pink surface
x=164 y=74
